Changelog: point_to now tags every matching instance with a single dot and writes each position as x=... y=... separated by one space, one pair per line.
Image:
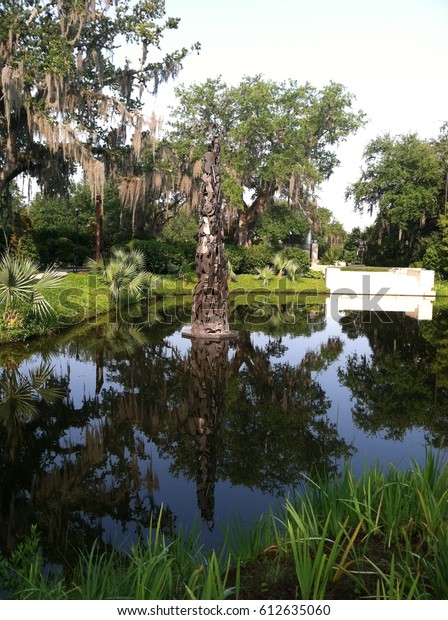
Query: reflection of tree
x=25 y=394
x=69 y=469
x=286 y=317
x=391 y=394
x=436 y=333
x=20 y=392
x=394 y=389
x=273 y=424
x=251 y=419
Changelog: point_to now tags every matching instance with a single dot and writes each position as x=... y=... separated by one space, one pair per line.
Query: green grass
x=383 y=535
x=363 y=268
x=441 y=288
x=83 y=297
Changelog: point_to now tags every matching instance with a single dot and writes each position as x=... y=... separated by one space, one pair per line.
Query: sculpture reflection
x=208 y=362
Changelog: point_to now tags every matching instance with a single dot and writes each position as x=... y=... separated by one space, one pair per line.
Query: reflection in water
x=149 y=417
x=20 y=392
x=208 y=360
x=419 y=308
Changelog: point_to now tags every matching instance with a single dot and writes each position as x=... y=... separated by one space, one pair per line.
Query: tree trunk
x=249 y=216
x=99 y=241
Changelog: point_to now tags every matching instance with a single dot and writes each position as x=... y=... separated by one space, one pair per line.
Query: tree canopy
x=279 y=140
x=401 y=179
x=66 y=97
x=402 y=182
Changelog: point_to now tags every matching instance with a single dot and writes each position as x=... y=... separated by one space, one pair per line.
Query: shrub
x=124 y=273
x=249 y=259
x=299 y=256
x=433 y=259
x=265 y=274
x=235 y=255
x=159 y=255
x=19 y=285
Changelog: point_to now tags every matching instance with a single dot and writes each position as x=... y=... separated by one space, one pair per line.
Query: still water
x=103 y=426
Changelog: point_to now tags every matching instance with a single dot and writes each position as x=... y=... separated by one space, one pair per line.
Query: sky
x=390 y=54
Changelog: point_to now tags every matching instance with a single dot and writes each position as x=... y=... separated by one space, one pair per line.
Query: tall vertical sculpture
x=209 y=315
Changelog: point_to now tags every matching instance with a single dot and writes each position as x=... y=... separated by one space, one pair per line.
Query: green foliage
x=292 y=268
x=58 y=72
x=248 y=259
x=401 y=179
x=265 y=274
x=351 y=253
x=329 y=233
x=64 y=228
x=434 y=258
x=124 y=273
x=235 y=254
x=24 y=568
x=279 y=263
x=331 y=256
x=20 y=287
x=182 y=231
x=278 y=138
x=159 y=255
x=182 y=269
x=380 y=536
x=300 y=257
x=281 y=224
x=402 y=182
x=21 y=240
x=438 y=254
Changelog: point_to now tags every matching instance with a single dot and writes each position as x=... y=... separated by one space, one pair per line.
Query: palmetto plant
x=20 y=393
x=21 y=284
x=265 y=274
x=280 y=262
x=124 y=273
x=180 y=269
x=291 y=268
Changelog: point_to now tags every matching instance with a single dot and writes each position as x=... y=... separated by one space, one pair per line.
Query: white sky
x=391 y=54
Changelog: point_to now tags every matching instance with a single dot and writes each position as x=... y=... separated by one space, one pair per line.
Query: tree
x=278 y=141
x=281 y=224
x=330 y=234
x=65 y=100
x=402 y=182
x=63 y=228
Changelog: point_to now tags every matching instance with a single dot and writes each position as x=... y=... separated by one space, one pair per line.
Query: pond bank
x=83 y=297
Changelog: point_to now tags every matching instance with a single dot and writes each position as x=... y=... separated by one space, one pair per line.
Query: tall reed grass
x=383 y=535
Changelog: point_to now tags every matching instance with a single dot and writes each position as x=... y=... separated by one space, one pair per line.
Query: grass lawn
x=82 y=297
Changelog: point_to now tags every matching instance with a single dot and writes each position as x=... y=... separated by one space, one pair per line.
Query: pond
x=102 y=427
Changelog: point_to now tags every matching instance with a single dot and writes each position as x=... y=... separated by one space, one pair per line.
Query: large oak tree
x=402 y=183
x=73 y=73
x=279 y=141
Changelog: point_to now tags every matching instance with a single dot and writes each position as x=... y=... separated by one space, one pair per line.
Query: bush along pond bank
x=383 y=535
